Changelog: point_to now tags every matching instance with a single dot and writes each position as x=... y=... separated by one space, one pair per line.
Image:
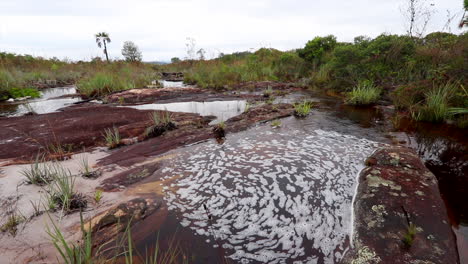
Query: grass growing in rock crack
x=160 y=122
x=13 y=220
x=36 y=208
x=61 y=193
x=98 y=196
x=60 y=151
x=276 y=123
x=112 y=137
x=247 y=107
x=364 y=93
x=302 y=109
x=408 y=238
x=86 y=170
x=39 y=173
x=220 y=130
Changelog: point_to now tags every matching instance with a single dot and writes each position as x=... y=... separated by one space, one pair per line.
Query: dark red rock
x=395 y=191
x=75 y=128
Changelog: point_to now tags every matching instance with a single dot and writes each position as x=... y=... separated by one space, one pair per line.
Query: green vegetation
x=364 y=93
x=112 y=137
x=230 y=70
x=276 y=123
x=302 y=109
x=434 y=107
x=85 y=251
x=22 y=75
x=405 y=69
x=160 y=122
x=61 y=193
x=219 y=130
x=102 y=39
x=39 y=173
x=24 y=92
x=408 y=238
x=72 y=253
x=97 y=196
x=11 y=225
x=106 y=82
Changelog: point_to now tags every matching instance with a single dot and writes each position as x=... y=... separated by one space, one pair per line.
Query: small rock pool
x=222 y=110
x=51 y=100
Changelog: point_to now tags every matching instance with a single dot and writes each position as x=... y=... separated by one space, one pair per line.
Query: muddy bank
x=173 y=94
x=74 y=128
x=399 y=215
x=192 y=134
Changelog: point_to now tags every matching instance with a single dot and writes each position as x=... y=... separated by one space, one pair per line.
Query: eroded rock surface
x=398 y=200
x=192 y=134
x=173 y=94
x=75 y=128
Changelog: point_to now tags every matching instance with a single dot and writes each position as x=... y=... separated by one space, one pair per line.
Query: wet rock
x=106 y=227
x=400 y=216
x=193 y=133
x=76 y=127
x=172 y=95
x=126 y=178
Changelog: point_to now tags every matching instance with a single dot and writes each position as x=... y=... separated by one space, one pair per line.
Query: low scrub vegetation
x=404 y=68
x=22 y=75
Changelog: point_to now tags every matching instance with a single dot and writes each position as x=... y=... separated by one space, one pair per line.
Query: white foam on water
x=270 y=193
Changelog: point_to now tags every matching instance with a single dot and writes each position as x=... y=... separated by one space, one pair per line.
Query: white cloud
x=66 y=28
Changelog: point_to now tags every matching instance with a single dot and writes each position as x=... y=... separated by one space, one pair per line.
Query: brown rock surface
x=395 y=191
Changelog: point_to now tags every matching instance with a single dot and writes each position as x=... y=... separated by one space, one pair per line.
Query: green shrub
x=23 y=92
x=315 y=49
x=364 y=93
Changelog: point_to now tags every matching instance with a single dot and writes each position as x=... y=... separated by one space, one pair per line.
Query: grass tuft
x=364 y=93
x=302 y=109
x=160 y=122
x=39 y=173
x=276 y=123
x=219 y=130
x=112 y=137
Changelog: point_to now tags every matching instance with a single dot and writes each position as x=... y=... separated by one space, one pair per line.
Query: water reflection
x=45 y=104
x=223 y=110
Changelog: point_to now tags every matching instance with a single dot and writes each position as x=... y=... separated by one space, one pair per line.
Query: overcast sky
x=66 y=28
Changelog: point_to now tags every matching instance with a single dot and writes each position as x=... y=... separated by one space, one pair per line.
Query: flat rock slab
x=184 y=136
x=173 y=95
x=395 y=191
x=74 y=128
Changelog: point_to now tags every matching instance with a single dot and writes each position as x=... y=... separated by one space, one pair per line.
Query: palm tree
x=103 y=38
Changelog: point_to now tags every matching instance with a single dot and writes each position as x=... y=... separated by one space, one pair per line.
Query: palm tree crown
x=101 y=39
